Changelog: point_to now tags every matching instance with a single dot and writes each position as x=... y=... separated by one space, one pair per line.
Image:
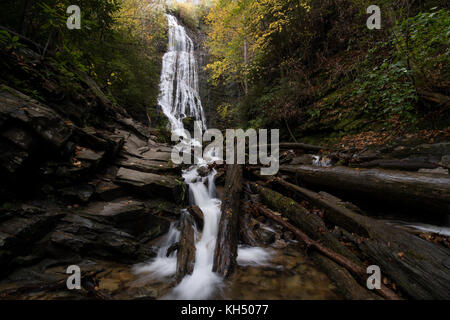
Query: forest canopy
x=315 y=66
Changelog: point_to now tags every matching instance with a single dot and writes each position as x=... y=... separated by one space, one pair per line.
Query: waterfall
x=179 y=98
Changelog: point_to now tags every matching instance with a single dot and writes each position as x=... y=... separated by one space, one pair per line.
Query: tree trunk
x=186 y=247
x=197 y=213
x=411 y=189
x=298 y=146
x=309 y=223
x=394 y=164
x=227 y=239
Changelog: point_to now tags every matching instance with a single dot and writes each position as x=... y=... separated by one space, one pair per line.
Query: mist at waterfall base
x=179 y=95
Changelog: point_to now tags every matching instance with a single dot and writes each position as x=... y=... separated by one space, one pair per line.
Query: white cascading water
x=178 y=99
x=179 y=79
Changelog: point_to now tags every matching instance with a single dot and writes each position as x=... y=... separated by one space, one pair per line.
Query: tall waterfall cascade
x=178 y=99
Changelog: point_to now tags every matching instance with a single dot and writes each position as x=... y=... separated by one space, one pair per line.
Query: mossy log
x=227 y=239
x=420 y=268
x=356 y=269
x=395 y=164
x=308 y=222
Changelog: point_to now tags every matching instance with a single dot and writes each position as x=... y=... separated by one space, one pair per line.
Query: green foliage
x=9 y=41
x=119 y=45
x=424 y=40
x=314 y=66
x=190 y=14
x=387 y=91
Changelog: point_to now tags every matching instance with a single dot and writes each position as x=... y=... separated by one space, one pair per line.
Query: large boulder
x=43 y=121
x=129 y=215
x=150 y=184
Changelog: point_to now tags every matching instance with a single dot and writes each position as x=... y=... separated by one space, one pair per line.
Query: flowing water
x=179 y=98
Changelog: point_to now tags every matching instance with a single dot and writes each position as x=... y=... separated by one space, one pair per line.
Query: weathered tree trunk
x=418 y=267
x=395 y=164
x=298 y=146
x=246 y=233
x=309 y=223
x=356 y=269
x=227 y=239
x=343 y=280
x=186 y=247
x=428 y=191
x=197 y=213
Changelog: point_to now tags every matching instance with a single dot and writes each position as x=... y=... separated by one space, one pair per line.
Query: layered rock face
x=72 y=193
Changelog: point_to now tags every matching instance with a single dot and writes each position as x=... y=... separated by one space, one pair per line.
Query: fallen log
x=418 y=267
x=296 y=146
x=411 y=189
x=344 y=281
x=227 y=239
x=310 y=223
x=395 y=164
x=354 y=268
x=186 y=247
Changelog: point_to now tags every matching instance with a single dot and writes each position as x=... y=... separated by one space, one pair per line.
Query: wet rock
x=108 y=191
x=20 y=137
x=368 y=155
x=129 y=215
x=78 y=194
x=163 y=207
x=303 y=159
x=153 y=154
x=43 y=121
x=12 y=157
x=82 y=236
x=63 y=173
x=203 y=171
x=25 y=226
x=88 y=155
x=147 y=165
x=150 y=184
x=134 y=126
x=279 y=244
